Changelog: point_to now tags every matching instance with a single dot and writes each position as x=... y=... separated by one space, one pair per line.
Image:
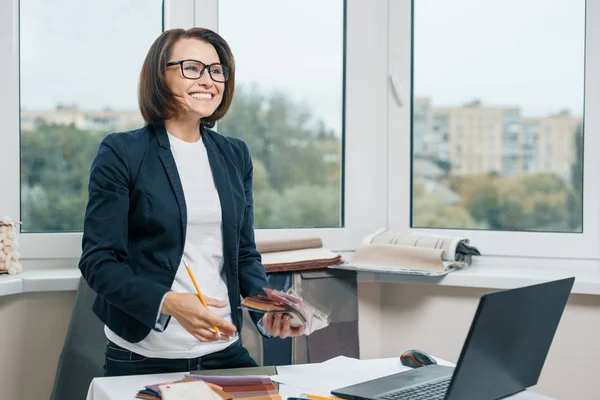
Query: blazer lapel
x=166 y=157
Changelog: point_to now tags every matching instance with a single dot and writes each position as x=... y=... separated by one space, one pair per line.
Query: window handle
x=396 y=86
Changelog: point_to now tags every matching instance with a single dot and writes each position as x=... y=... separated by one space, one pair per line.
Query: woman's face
x=198 y=97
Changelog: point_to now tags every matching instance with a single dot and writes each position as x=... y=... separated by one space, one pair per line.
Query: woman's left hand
x=278 y=325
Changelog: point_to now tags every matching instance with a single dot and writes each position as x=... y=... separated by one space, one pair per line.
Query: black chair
x=82 y=357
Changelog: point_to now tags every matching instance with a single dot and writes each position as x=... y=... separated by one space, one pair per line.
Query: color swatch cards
x=210 y=387
x=289 y=303
x=243 y=387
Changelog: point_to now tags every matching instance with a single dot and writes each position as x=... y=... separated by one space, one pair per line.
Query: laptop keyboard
x=428 y=391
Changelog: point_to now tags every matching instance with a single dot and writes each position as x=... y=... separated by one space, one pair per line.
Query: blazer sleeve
x=251 y=271
x=104 y=262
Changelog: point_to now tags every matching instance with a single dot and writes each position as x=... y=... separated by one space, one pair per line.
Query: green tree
x=480 y=198
x=292 y=153
x=265 y=198
x=55 y=161
x=280 y=134
x=537 y=202
x=430 y=211
x=297 y=166
x=534 y=203
x=575 y=201
x=577 y=167
x=307 y=206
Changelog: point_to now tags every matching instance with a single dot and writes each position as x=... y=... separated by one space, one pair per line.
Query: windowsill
x=41 y=280
x=486 y=272
x=506 y=273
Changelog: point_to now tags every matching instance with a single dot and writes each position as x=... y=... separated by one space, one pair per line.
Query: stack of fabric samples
x=296 y=255
x=288 y=303
x=223 y=387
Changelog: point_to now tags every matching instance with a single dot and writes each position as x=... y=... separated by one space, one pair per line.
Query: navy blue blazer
x=135 y=226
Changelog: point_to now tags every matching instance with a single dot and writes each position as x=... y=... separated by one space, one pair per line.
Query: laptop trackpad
x=417 y=376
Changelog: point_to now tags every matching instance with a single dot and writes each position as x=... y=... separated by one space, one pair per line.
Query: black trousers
x=120 y=361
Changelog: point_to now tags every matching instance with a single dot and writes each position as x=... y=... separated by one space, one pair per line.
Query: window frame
x=10 y=109
x=364 y=163
x=495 y=243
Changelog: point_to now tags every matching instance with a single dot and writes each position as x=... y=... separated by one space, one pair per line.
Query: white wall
x=392 y=317
x=32 y=331
x=436 y=319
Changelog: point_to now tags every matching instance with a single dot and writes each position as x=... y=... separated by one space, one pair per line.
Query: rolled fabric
x=272 y=246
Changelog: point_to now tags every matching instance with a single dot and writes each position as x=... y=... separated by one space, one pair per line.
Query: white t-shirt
x=203 y=250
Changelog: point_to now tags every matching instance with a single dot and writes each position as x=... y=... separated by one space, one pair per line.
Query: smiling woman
x=170 y=191
x=176 y=95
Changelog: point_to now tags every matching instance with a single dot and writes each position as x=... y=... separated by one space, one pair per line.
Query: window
x=514 y=79
x=70 y=78
x=289 y=106
x=318 y=145
x=75 y=89
x=506 y=47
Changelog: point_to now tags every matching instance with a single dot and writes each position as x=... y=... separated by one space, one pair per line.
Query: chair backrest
x=82 y=356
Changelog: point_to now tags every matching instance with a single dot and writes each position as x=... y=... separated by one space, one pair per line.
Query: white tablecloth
x=298 y=379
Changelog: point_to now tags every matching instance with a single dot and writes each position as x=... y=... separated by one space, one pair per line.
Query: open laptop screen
x=509 y=340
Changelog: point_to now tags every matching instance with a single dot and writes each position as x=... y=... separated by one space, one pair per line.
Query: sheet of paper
x=286 y=391
x=338 y=372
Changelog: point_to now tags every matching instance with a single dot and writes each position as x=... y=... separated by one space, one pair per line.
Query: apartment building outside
x=101 y=121
x=476 y=139
x=556 y=144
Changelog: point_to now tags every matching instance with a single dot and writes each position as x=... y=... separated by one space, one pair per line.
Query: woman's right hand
x=197 y=319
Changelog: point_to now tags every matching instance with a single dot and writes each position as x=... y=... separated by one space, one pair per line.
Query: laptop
x=503 y=354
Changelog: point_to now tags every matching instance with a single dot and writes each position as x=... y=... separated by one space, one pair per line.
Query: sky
x=525 y=53
x=294 y=46
x=84 y=51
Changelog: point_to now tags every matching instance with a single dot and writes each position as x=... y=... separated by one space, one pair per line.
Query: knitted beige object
x=9 y=254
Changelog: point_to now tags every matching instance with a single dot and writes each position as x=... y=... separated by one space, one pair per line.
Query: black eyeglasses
x=194 y=69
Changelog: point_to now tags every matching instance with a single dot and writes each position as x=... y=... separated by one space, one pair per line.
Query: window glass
x=498 y=115
x=79 y=68
x=288 y=106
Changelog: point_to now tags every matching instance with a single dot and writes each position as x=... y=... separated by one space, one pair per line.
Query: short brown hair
x=157 y=102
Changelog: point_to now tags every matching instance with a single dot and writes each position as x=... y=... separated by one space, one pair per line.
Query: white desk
x=307 y=378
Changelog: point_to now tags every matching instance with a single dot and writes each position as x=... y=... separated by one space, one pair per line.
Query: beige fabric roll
x=272 y=246
x=403 y=257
